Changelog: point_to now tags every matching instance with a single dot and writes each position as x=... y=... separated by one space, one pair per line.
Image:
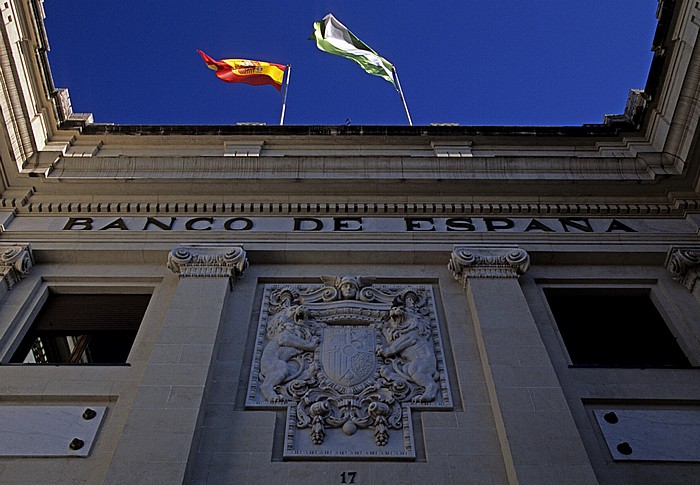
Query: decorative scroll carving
x=15 y=263
x=684 y=266
x=488 y=262
x=349 y=359
x=208 y=261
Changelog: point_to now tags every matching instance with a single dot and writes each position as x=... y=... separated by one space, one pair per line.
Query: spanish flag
x=246 y=71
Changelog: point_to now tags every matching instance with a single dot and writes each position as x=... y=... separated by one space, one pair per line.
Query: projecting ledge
x=358 y=168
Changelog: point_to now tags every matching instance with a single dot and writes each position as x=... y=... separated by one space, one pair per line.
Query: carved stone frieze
x=208 y=261
x=349 y=360
x=684 y=266
x=15 y=262
x=488 y=262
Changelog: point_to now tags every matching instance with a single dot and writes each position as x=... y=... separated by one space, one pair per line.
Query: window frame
x=657 y=292
x=605 y=361
x=17 y=331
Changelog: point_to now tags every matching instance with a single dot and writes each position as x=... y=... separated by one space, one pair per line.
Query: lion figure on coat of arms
x=287 y=338
x=410 y=339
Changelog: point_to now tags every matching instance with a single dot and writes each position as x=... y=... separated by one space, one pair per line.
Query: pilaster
x=177 y=368
x=533 y=420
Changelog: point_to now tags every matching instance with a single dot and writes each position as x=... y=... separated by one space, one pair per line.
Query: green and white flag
x=333 y=37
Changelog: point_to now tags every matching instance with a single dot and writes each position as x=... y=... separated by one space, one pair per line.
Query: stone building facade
x=349 y=304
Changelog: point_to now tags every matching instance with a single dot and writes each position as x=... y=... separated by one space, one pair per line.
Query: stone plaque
x=49 y=430
x=349 y=360
x=653 y=434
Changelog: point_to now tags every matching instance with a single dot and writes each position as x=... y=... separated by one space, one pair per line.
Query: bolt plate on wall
x=651 y=434
x=49 y=430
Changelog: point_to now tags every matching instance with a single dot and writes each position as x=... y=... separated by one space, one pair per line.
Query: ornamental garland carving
x=349 y=359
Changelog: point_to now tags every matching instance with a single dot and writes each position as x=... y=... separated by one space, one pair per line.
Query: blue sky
x=472 y=62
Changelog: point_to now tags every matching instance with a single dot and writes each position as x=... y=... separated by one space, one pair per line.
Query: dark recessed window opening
x=83 y=329
x=608 y=328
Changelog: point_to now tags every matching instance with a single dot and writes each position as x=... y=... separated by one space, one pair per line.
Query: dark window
x=608 y=328
x=83 y=329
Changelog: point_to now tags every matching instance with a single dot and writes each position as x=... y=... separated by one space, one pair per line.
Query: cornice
x=355 y=131
x=674 y=107
x=386 y=167
x=606 y=152
x=23 y=205
x=27 y=100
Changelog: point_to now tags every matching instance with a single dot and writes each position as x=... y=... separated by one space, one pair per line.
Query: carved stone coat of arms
x=349 y=360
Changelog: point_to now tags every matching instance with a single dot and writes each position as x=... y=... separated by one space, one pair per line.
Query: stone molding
x=15 y=262
x=684 y=265
x=486 y=168
x=24 y=205
x=208 y=261
x=488 y=262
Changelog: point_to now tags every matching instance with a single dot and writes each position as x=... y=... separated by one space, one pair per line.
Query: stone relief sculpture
x=349 y=360
x=287 y=339
x=410 y=353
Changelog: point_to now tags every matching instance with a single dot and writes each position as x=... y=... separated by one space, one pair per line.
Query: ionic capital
x=15 y=262
x=469 y=262
x=208 y=262
x=684 y=265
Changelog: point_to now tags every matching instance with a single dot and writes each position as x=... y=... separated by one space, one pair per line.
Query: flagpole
x=284 y=98
x=405 y=106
